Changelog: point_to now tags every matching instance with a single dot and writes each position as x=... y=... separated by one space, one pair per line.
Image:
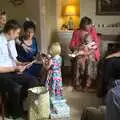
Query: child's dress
x=54 y=79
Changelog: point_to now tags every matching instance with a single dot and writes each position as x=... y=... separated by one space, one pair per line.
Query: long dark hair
x=29 y=24
x=85 y=21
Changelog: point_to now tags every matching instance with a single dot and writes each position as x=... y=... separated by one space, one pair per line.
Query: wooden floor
x=77 y=100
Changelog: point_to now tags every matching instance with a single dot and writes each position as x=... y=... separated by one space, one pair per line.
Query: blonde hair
x=55 y=49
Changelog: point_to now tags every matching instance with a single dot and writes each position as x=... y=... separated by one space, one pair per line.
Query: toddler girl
x=54 y=79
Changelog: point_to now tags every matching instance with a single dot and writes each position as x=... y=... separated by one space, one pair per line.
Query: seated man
x=12 y=80
x=113 y=103
x=110 y=72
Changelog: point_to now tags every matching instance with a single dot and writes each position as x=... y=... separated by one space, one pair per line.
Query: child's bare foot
x=88 y=83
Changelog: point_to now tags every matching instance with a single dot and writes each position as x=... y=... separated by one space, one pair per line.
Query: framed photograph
x=108 y=7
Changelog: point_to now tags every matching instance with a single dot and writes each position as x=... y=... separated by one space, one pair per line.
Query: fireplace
x=113 y=47
x=109 y=44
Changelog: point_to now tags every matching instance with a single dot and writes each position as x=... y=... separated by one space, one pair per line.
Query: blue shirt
x=8 y=52
x=24 y=56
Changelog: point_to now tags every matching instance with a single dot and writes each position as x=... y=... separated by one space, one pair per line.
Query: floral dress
x=85 y=66
x=54 y=79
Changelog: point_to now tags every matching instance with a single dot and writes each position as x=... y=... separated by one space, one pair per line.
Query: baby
x=87 y=46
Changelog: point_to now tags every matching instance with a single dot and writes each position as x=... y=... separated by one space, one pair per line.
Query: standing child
x=54 y=80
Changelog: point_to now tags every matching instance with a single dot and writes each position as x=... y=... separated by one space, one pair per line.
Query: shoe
x=8 y=118
x=20 y=118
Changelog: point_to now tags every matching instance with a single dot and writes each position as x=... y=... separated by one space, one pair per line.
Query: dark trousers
x=110 y=72
x=16 y=86
x=34 y=70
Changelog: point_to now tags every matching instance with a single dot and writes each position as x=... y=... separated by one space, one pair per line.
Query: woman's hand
x=30 y=64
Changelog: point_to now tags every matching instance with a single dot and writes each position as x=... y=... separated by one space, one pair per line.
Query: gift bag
x=38 y=103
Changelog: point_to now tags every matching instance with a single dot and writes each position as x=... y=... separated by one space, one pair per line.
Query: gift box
x=57 y=99
x=60 y=116
x=61 y=108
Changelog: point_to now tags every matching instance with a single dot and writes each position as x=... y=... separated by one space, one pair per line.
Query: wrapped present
x=61 y=108
x=57 y=99
x=60 y=111
x=38 y=103
x=58 y=116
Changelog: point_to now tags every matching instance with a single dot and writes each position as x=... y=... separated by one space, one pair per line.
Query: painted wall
x=88 y=8
x=13 y=12
x=33 y=12
x=51 y=21
x=44 y=14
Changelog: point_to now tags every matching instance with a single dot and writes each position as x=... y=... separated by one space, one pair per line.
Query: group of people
x=18 y=49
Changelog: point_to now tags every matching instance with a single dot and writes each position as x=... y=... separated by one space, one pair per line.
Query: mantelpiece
x=106 y=42
x=65 y=38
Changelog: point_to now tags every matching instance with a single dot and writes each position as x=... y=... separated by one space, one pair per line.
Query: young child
x=54 y=79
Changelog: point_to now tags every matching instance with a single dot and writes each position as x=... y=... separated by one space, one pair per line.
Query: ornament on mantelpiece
x=70 y=24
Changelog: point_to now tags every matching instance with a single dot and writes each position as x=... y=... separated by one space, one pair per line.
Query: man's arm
x=117 y=54
x=12 y=69
x=7 y=69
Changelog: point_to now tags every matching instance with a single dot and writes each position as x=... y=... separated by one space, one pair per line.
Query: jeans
x=113 y=104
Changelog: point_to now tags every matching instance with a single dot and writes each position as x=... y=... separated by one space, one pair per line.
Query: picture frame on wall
x=107 y=7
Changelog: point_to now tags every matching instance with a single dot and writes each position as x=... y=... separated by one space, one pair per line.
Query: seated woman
x=85 y=63
x=27 y=48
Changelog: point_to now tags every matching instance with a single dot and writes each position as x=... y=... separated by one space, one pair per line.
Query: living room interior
x=55 y=21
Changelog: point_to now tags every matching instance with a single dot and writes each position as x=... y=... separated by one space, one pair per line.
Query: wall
x=51 y=21
x=13 y=12
x=34 y=15
x=45 y=15
x=88 y=8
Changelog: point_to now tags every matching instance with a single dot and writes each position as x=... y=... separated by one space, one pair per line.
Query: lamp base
x=70 y=24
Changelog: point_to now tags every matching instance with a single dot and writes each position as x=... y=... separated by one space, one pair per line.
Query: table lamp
x=70 y=10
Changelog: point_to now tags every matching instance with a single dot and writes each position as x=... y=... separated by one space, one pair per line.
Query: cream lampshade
x=70 y=10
